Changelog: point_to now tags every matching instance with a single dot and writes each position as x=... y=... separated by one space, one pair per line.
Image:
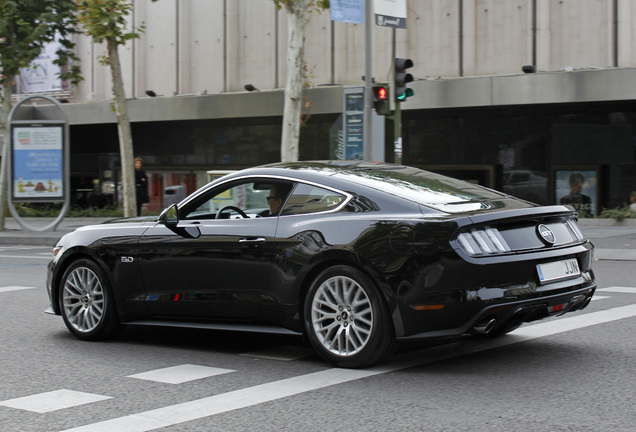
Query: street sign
x=390 y=13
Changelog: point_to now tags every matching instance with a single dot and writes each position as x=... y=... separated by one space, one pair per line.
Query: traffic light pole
x=397 y=133
x=400 y=80
x=368 y=92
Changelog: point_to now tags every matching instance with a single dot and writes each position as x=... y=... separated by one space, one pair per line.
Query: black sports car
x=355 y=255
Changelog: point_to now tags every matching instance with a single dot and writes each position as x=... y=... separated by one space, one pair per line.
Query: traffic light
x=381 y=99
x=402 y=78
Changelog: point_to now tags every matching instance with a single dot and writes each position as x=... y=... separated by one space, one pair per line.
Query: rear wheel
x=86 y=302
x=346 y=319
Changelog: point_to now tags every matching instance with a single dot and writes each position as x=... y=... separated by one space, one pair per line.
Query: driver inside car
x=276 y=198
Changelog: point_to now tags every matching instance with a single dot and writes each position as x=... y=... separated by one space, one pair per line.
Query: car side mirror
x=170 y=216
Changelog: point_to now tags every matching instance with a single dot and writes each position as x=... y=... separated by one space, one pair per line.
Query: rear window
x=312 y=199
x=424 y=187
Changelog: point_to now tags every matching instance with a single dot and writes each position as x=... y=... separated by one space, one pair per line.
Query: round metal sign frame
x=25 y=121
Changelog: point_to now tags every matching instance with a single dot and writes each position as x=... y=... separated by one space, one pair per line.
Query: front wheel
x=86 y=302
x=346 y=319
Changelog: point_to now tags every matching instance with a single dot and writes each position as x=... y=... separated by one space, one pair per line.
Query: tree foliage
x=317 y=5
x=107 y=20
x=26 y=26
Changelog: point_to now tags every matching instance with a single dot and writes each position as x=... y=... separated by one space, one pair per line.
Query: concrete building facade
x=474 y=115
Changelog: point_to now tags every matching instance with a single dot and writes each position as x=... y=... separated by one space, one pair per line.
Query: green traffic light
x=407 y=93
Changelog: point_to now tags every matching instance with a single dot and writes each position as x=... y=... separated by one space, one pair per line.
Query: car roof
x=397 y=183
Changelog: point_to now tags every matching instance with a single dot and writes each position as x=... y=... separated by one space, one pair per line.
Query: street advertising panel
x=37 y=163
x=578 y=187
x=43 y=75
x=353 y=124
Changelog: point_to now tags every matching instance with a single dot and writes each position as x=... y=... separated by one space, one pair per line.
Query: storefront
x=525 y=135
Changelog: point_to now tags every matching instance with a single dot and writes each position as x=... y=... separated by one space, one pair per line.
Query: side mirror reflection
x=170 y=216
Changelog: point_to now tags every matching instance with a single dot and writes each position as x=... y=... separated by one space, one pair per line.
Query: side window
x=311 y=199
x=248 y=197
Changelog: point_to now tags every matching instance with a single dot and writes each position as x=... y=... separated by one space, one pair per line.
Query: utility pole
x=368 y=78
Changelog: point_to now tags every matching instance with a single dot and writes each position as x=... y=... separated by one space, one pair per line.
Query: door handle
x=252 y=240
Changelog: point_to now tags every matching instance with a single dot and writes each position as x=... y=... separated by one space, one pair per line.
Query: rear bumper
x=506 y=314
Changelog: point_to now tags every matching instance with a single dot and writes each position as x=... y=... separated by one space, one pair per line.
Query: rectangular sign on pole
x=353 y=123
x=349 y=11
x=37 y=163
x=390 y=13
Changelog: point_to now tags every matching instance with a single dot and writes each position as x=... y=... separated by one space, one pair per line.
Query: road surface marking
x=180 y=374
x=53 y=401
x=209 y=406
x=617 y=289
x=15 y=288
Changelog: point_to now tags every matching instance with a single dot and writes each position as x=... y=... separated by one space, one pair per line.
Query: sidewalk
x=611 y=241
x=14 y=234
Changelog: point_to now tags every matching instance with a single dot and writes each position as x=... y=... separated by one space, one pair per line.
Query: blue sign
x=349 y=11
x=38 y=163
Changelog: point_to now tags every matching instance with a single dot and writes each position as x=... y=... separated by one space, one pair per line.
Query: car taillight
x=485 y=241
x=576 y=231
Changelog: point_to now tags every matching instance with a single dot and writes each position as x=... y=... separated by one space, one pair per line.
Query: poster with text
x=37 y=163
x=578 y=189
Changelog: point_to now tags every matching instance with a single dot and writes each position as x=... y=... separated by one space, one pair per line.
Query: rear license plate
x=558 y=270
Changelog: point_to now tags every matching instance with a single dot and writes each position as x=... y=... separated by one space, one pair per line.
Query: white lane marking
x=209 y=406
x=26 y=257
x=598 y=297
x=617 y=289
x=180 y=374
x=283 y=353
x=53 y=401
x=15 y=288
x=614 y=254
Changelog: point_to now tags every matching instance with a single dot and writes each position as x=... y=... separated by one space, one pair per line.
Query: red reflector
x=557 y=308
x=176 y=297
x=428 y=307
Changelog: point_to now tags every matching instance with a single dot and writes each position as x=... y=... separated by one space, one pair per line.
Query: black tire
x=346 y=318
x=86 y=302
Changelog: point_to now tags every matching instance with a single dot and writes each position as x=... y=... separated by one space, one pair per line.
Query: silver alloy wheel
x=342 y=316
x=83 y=299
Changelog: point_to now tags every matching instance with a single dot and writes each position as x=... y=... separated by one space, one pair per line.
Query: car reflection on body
x=361 y=255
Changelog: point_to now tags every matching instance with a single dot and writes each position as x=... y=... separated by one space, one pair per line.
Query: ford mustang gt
x=353 y=255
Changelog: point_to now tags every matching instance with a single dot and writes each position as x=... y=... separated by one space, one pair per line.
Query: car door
x=208 y=267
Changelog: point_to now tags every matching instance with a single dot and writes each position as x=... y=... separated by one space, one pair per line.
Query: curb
x=607 y=222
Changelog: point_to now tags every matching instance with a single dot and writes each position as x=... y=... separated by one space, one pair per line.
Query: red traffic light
x=381 y=99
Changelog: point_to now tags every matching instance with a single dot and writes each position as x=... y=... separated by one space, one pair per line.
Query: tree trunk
x=125 y=135
x=294 y=87
x=6 y=154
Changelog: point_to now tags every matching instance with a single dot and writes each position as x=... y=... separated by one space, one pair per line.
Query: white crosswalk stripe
x=209 y=406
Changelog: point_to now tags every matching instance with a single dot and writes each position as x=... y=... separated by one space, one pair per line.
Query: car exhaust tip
x=485 y=326
x=586 y=303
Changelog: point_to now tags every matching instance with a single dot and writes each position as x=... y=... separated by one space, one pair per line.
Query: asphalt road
x=572 y=373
